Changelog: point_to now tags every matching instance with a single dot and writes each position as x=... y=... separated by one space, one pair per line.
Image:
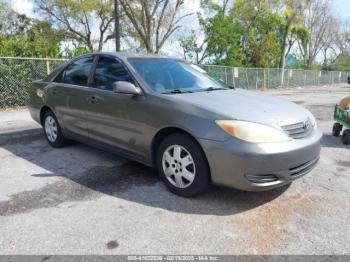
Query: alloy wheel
x=178 y=166
x=51 y=128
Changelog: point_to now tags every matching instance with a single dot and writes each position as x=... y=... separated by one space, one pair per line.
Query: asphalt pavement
x=80 y=200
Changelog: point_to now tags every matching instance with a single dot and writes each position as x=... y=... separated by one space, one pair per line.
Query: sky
x=22 y=6
x=340 y=7
x=26 y=6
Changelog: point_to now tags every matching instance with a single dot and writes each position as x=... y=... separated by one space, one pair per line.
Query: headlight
x=313 y=120
x=252 y=132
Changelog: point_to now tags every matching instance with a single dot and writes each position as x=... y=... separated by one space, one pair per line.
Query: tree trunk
x=325 y=63
x=283 y=56
x=100 y=43
x=282 y=70
x=89 y=45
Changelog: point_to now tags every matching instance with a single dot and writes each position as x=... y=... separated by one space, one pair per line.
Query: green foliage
x=21 y=36
x=224 y=40
x=301 y=32
x=342 y=63
x=77 y=50
x=252 y=33
x=31 y=44
x=25 y=37
x=246 y=36
x=191 y=48
x=263 y=43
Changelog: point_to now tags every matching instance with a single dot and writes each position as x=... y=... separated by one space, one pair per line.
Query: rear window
x=77 y=73
x=55 y=72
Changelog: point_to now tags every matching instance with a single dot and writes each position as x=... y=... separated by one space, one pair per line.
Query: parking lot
x=80 y=200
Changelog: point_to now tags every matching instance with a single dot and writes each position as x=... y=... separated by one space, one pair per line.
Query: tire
x=52 y=130
x=346 y=137
x=337 y=128
x=183 y=166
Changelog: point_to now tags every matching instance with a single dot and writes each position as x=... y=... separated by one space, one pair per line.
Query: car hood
x=247 y=105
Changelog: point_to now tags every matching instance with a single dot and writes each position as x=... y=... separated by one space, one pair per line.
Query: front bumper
x=257 y=167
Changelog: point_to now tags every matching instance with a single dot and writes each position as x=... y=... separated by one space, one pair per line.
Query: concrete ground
x=80 y=200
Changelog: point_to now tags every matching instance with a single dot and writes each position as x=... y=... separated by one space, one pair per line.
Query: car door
x=69 y=95
x=111 y=116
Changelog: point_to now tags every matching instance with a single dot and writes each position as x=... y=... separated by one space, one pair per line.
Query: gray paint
x=128 y=125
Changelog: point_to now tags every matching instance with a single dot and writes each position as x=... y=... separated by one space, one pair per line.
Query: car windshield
x=174 y=76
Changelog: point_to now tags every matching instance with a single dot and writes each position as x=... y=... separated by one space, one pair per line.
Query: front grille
x=303 y=169
x=298 y=130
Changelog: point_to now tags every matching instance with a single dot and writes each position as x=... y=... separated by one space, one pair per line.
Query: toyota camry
x=171 y=115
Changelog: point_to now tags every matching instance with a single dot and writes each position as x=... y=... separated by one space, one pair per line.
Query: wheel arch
x=162 y=134
x=43 y=111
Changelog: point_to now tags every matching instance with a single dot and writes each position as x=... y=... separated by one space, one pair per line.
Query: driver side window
x=108 y=71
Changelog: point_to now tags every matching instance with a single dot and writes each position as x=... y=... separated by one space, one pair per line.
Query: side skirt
x=108 y=148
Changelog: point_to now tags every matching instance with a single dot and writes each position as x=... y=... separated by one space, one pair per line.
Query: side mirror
x=124 y=87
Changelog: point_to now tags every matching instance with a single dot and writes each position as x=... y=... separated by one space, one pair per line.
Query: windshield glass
x=169 y=75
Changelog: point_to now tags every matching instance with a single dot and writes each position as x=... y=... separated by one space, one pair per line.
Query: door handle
x=92 y=99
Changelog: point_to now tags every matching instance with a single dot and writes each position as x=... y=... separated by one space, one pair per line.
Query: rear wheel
x=53 y=130
x=183 y=166
x=337 y=128
x=346 y=137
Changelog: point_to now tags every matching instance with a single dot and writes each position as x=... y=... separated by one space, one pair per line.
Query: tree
x=79 y=19
x=342 y=62
x=291 y=30
x=329 y=48
x=217 y=6
x=39 y=41
x=337 y=48
x=320 y=23
x=262 y=37
x=197 y=49
x=192 y=50
x=247 y=33
x=26 y=37
x=221 y=33
x=153 y=22
x=11 y=22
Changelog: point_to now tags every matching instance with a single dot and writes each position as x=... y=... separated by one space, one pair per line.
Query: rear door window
x=77 y=73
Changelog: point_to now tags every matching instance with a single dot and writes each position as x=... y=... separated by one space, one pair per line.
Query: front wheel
x=53 y=130
x=183 y=166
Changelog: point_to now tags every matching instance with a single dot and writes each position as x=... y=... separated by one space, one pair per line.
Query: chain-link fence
x=261 y=78
x=17 y=73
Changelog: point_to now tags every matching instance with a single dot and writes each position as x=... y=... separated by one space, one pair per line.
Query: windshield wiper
x=177 y=91
x=214 y=89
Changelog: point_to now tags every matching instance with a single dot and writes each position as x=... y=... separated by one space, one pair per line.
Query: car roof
x=126 y=55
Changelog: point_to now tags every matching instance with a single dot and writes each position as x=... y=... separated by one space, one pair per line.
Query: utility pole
x=116 y=25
